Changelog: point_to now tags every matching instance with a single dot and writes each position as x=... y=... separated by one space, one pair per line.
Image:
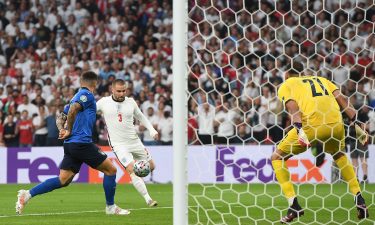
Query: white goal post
x=180 y=179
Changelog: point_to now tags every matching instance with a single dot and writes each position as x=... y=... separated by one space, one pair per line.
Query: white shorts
x=133 y=150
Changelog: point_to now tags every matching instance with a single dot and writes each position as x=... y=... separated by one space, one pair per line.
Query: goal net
x=238 y=52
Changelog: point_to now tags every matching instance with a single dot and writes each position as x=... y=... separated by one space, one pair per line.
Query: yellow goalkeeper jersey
x=314 y=97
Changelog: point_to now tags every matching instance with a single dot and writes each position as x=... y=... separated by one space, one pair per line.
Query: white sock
x=290 y=201
x=139 y=184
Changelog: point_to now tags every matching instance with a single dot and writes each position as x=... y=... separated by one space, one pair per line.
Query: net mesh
x=238 y=52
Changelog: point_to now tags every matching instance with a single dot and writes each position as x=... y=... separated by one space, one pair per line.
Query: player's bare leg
x=109 y=185
x=140 y=185
x=279 y=159
x=23 y=197
x=348 y=174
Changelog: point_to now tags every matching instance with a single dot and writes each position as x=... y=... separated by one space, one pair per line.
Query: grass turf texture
x=215 y=204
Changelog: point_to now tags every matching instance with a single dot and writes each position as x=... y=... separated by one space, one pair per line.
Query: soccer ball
x=141 y=168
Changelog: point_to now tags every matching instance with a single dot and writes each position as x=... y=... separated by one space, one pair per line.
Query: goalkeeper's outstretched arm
x=345 y=105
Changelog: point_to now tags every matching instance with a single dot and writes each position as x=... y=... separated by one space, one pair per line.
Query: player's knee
x=275 y=156
x=65 y=181
x=111 y=171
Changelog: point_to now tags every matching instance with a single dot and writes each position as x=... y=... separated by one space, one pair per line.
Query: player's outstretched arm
x=349 y=110
x=296 y=118
x=345 y=105
x=142 y=118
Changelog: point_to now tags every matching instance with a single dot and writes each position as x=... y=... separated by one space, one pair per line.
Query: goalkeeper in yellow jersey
x=314 y=106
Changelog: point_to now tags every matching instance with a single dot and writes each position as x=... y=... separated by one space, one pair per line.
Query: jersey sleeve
x=66 y=109
x=84 y=99
x=284 y=93
x=99 y=105
x=142 y=118
x=331 y=87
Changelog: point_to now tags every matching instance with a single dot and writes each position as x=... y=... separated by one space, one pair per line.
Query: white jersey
x=119 y=118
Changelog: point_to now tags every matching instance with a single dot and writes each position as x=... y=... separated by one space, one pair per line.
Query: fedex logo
x=23 y=166
x=250 y=167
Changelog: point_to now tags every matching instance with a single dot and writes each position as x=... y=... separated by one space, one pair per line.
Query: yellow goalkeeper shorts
x=332 y=136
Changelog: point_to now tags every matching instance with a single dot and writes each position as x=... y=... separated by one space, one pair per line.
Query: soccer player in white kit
x=119 y=112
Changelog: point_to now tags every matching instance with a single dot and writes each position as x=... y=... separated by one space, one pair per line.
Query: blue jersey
x=85 y=119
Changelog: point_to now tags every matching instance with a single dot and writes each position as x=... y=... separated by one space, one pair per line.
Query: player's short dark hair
x=118 y=81
x=296 y=68
x=89 y=76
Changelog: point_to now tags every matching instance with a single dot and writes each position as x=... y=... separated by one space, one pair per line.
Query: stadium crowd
x=46 y=44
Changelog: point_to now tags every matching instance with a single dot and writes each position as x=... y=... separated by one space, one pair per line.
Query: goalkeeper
x=314 y=106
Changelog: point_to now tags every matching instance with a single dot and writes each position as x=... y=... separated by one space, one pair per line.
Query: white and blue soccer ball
x=141 y=168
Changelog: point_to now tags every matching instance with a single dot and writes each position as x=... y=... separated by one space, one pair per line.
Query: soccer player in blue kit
x=76 y=124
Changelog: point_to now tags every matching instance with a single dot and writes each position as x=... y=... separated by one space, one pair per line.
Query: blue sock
x=47 y=186
x=109 y=185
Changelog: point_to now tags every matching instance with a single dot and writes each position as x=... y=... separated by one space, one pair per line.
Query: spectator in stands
x=225 y=119
x=147 y=139
x=257 y=117
x=165 y=128
x=25 y=129
x=40 y=127
x=242 y=136
x=206 y=118
x=53 y=132
x=26 y=105
x=10 y=132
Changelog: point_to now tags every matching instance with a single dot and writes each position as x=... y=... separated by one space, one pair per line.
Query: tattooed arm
x=73 y=111
x=60 y=120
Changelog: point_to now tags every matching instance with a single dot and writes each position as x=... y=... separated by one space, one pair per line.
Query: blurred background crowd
x=46 y=44
x=238 y=54
x=236 y=57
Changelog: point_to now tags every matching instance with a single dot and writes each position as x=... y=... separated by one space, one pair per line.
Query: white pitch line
x=77 y=212
x=149 y=208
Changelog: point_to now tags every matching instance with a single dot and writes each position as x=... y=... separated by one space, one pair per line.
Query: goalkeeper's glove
x=361 y=134
x=302 y=137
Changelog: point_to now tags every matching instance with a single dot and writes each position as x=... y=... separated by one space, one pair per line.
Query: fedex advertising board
x=206 y=164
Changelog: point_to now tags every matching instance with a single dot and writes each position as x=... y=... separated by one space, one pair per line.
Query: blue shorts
x=77 y=153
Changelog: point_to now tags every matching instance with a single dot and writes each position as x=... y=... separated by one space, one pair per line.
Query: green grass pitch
x=215 y=204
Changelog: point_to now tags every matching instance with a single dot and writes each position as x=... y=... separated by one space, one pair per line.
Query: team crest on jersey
x=83 y=98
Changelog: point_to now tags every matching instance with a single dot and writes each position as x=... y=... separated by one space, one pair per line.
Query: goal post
x=180 y=112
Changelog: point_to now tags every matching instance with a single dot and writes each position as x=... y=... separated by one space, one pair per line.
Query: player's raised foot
x=152 y=203
x=294 y=211
x=115 y=210
x=362 y=211
x=22 y=198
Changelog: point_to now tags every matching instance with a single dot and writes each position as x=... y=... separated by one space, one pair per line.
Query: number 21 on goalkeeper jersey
x=314 y=97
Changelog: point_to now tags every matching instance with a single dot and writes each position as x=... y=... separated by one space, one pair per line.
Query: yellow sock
x=283 y=177
x=347 y=173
